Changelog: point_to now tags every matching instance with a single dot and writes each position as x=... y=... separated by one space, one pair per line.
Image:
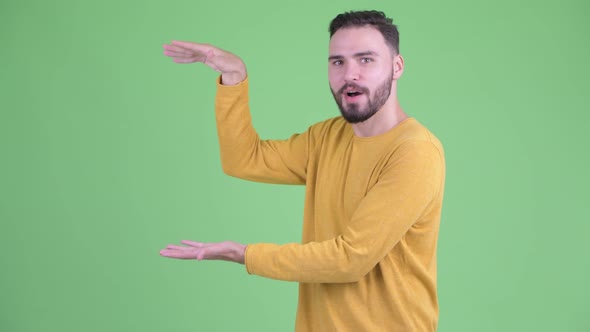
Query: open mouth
x=352 y=95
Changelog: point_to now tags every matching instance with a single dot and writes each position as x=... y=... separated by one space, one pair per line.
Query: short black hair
x=368 y=17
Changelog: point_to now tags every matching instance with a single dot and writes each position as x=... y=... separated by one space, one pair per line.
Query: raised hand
x=231 y=67
x=227 y=251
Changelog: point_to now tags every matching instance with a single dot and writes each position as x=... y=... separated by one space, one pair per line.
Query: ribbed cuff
x=248 y=258
x=242 y=84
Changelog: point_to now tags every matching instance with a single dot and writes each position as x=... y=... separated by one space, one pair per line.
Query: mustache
x=353 y=86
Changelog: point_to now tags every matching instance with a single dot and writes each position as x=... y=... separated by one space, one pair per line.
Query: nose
x=352 y=72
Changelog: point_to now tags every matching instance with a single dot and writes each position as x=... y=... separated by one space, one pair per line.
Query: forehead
x=351 y=40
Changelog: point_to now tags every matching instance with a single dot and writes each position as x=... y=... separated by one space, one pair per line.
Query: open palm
x=227 y=251
x=231 y=67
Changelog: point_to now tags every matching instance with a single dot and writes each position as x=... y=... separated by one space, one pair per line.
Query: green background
x=109 y=153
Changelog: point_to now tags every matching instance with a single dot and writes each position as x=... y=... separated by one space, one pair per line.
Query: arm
x=243 y=153
x=405 y=189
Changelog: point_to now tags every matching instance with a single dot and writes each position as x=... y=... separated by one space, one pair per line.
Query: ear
x=398 y=66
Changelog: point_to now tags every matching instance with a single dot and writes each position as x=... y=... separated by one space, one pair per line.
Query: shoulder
x=412 y=146
x=414 y=135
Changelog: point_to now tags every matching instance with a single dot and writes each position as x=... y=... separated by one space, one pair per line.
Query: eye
x=337 y=62
x=366 y=60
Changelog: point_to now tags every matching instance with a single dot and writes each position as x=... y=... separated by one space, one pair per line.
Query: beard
x=353 y=113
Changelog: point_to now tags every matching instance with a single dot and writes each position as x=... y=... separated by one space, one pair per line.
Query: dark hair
x=370 y=17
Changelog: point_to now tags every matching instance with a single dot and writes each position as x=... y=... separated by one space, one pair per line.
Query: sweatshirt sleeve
x=244 y=154
x=407 y=186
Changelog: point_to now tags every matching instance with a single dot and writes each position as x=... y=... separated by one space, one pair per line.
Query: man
x=374 y=187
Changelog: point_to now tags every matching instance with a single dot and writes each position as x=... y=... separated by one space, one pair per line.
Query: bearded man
x=374 y=180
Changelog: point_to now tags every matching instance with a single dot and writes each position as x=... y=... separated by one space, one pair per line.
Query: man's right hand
x=231 y=67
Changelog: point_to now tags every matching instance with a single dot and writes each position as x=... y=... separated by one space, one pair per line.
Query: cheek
x=333 y=79
x=377 y=74
x=377 y=77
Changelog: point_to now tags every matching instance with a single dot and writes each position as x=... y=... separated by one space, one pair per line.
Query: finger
x=175 y=247
x=187 y=60
x=175 y=48
x=179 y=54
x=201 y=48
x=201 y=254
x=178 y=254
x=193 y=243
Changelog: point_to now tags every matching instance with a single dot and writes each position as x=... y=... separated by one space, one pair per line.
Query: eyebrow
x=356 y=55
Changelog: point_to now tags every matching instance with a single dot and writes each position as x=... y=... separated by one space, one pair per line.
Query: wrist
x=234 y=77
x=240 y=253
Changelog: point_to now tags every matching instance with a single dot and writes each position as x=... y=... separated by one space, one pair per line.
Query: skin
x=358 y=57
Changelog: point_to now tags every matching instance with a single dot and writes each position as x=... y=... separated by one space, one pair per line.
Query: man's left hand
x=226 y=251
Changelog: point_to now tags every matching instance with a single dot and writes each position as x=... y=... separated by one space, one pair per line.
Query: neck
x=390 y=115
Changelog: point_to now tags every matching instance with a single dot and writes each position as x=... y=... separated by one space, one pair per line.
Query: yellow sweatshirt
x=367 y=261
